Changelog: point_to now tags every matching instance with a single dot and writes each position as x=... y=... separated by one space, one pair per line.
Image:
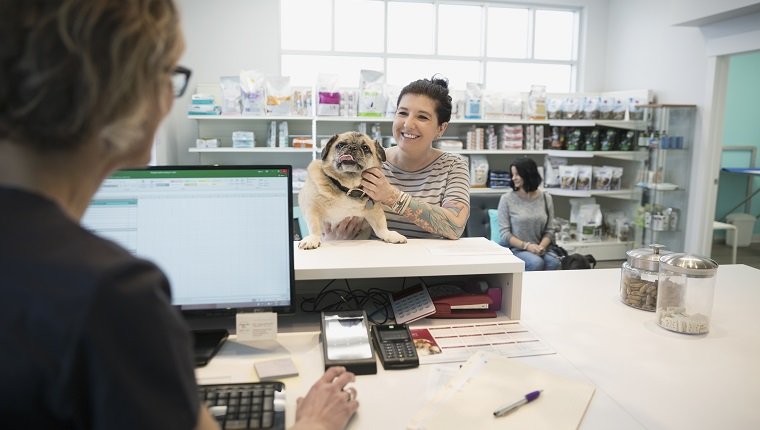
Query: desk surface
x=645 y=376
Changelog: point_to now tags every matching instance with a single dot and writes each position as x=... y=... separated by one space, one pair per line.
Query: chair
x=731 y=229
x=479 y=223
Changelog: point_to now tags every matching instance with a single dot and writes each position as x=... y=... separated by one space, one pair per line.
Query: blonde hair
x=76 y=70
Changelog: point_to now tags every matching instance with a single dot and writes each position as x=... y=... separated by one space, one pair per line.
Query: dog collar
x=356 y=193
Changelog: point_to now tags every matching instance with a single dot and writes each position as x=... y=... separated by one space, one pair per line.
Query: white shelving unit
x=665 y=185
x=320 y=127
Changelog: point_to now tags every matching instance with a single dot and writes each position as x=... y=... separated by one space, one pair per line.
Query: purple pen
x=512 y=406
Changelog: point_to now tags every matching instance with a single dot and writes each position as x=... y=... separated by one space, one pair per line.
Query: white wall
x=682 y=64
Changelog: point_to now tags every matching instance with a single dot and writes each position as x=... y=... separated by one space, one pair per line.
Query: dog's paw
x=393 y=237
x=311 y=241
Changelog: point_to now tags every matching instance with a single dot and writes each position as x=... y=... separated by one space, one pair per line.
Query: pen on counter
x=512 y=406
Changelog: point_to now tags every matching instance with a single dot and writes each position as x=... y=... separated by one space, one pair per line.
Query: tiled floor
x=721 y=253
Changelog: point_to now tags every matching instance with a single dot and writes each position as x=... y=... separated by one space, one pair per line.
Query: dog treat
x=676 y=319
x=639 y=291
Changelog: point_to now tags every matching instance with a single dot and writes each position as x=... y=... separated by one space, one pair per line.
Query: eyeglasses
x=180 y=78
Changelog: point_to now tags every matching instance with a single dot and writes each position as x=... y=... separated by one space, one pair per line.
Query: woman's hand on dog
x=377 y=187
x=348 y=228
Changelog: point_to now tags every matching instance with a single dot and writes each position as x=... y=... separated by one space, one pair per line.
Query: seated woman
x=525 y=215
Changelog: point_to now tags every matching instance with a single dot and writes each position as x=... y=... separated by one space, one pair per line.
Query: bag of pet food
x=279 y=96
x=230 y=95
x=328 y=97
x=551 y=170
x=473 y=101
x=568 y=176
x=371 y=97
x=478 y=171
x=253 y=93
x=537 y=102
x=583 y=180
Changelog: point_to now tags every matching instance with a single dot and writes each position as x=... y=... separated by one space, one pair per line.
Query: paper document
x=486 y=382
x=457 y=342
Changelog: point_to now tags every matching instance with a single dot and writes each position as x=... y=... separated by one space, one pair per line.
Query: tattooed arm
x=447 y=220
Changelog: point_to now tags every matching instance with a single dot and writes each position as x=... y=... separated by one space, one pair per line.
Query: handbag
x=553 y=248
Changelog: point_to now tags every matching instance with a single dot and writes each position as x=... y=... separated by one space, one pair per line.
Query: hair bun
x=440 y=80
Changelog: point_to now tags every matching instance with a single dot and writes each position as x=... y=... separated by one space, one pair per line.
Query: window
x=507 y=47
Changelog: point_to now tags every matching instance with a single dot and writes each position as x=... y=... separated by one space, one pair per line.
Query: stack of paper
x=487 y=382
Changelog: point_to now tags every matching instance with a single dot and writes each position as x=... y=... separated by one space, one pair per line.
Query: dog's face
x=351 y=153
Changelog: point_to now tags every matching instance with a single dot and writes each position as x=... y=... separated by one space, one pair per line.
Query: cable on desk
x=339 y=299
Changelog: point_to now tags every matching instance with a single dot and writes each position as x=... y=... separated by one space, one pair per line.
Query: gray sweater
x=525 y=218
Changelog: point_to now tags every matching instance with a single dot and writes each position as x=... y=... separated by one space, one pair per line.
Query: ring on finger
x=351 y=393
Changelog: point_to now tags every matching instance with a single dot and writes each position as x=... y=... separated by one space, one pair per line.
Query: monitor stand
x=206 y=344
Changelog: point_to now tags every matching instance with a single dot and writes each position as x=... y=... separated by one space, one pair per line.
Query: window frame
x=482 y=58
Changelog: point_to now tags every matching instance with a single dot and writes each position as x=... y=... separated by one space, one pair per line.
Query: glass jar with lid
x=687 y=288
x=639 y=277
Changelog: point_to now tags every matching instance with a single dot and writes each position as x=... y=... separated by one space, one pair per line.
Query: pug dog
x=332 y=190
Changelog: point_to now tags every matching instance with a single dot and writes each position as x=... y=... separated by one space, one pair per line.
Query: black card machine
x=345 y=342
x=395 y=346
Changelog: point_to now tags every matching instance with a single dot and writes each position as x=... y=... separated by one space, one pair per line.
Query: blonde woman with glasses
x=88 y=336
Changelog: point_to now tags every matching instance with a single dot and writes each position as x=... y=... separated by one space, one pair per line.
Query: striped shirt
x=444 y=180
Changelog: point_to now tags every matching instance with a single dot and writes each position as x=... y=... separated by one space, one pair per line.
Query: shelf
x=605 y=250
x=497 y=151
x=489 y=190
x=627 y=193
x=248 y=118
x=659 y=187
x=227 y=149
x=627 y=125
x=622 y=155
x=353 y=119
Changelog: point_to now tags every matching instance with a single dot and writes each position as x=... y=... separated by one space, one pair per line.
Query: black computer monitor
x=222 y=234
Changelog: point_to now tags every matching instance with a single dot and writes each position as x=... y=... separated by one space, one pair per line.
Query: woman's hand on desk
x=328 y=404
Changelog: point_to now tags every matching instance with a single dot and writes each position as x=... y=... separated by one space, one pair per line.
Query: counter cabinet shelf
x=431 y=259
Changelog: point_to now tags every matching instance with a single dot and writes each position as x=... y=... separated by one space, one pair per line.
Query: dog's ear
x=326 y=149
x=380 y=151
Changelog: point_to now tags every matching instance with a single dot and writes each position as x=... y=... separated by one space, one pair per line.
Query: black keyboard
x=255 y=405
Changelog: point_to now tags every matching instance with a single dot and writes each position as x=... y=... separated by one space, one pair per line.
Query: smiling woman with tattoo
x=426 y=191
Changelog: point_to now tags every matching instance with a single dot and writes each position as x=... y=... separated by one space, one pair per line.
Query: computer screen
x=222 y=234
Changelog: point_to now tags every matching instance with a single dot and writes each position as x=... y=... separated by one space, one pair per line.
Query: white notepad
x=277 y=368
x=486 y=382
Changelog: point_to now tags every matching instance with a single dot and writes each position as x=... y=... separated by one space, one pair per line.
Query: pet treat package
x=617 y=178
x=554 y=108
x=568 y=176
x=513 y=106
x=570 y=108
x=253 y=93
x=583 y=180
x=537 y=102
x=552 y=172
x=601 y=176
x=511 y=137
x=539 y=143
x=391 y=95
x=473 y=101
x=279 y=96
x=478 y=171
x=590 y=108
x=493 y=105
x=371 y=98
x=590 y=223
x=230 y=95
x=328 y=97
